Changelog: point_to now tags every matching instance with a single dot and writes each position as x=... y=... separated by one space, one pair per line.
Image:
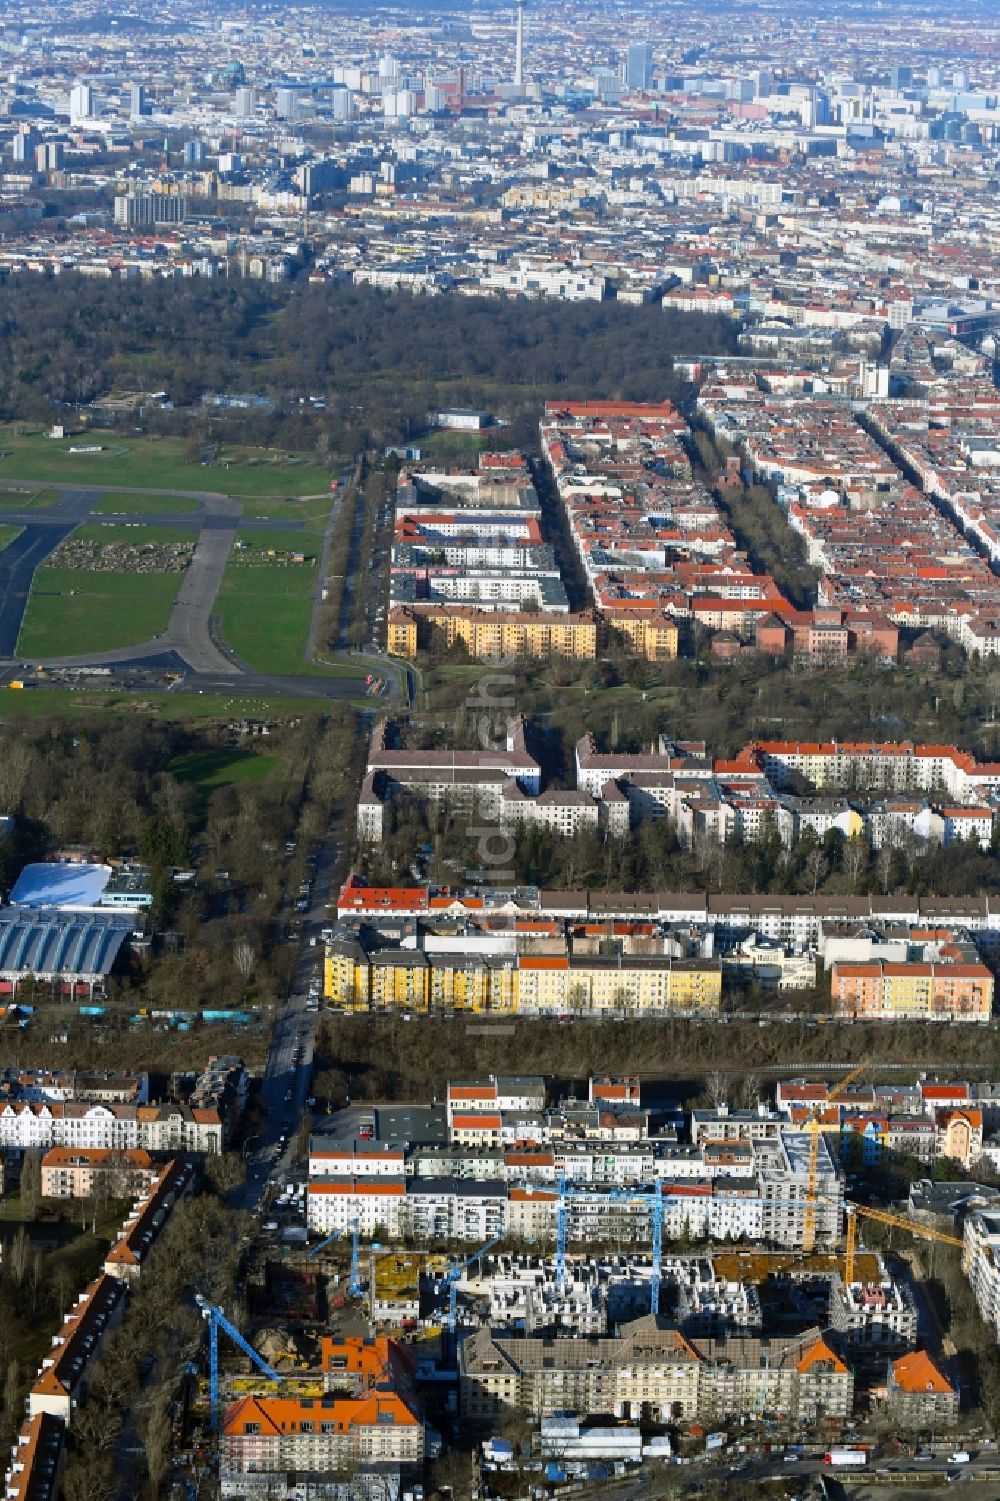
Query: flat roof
x=61 y=884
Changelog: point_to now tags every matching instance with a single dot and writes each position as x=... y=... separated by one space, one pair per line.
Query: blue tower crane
x=355 y=1284
x=217 y=1320
x=453 y=1276
x=323 y=1245
x=651 y=1196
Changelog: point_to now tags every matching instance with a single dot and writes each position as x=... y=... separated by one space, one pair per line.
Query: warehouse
x=72 y=954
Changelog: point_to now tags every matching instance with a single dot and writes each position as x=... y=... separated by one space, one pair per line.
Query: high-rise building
x=143 y=208
x=82 y=105
x=137 y=100
x=900 y=78
x=194 y=153
x=639 y=67
x=519 y=47
x=23 y=145
x=960 y=80
x=243 y=103
x=49 y=156
x=933 y=78
x=341 y=103
x=284 y=104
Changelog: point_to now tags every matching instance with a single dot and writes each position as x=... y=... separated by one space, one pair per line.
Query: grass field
x=70 y=703
x=313 y=511
x=265 y=608
x=22 y=500
x=227 y=767
x=452 y=442
x=71 y=611
x=149 y=505
x=8 y=533
x=157 y=463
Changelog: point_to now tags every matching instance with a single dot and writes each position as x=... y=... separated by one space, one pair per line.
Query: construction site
x=361 y=1362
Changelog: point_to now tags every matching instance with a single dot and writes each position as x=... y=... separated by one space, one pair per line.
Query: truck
x=845 y=1458
x=960 y=1457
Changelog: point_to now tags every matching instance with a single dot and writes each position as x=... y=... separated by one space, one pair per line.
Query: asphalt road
x=42 y=534
x=207 y=665
x=285 y=1085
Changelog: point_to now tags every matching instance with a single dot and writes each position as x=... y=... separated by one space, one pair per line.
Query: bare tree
x=816 y=867
x=89 y=1477
x=12 y=1388
x=20 y=1256
x=750 y=1091
x=855 y=859
x=31 y=1181
x=156 y=1433
x=715 y=1088
x=244 y=960
x=884 y=867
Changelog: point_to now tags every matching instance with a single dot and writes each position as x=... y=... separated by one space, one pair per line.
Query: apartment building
x=113 y=1128
x=749 y=1191
x=320 y=1435
x=919 y=1394
x=87 y=1172
x=37 y=1461
x=354 y=1366
x=654 y=1369
x=873 y=1319
x=887 y=991
x=361 y=974
x=796 y=921
x=424 y=1208
x=147 y=1218
x=61 y=1383
x=497 y=635
x=981 y=1263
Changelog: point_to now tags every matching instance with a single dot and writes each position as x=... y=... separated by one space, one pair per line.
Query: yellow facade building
x=653 y=636
x=493 y=633
x=887 y=991
x=552 y=985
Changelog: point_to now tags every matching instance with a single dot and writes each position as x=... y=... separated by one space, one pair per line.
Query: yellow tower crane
x=813 y=1127
x=881 y=1217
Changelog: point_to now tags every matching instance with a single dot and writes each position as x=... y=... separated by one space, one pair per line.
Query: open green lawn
x=156 y=463
x=265 y=607
x=131 y=532
x=149 y=505
x=74 y=703
x=8 y=533
x=313 y=511
x=452 y=442
x=71 y=611
x=226 y=767
x=22 y=500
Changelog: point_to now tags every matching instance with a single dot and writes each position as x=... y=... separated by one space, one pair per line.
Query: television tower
x=519 y=49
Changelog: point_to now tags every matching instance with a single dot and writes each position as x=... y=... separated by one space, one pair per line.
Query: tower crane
x=651 y=1196
x=453 y=1276
x=328 y=1241
x=882 y=1217
x=812 y=1178
x=217 y=1320
x=355 y=1282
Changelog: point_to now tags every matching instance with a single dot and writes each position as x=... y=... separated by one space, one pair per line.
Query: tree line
x=378 y=361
